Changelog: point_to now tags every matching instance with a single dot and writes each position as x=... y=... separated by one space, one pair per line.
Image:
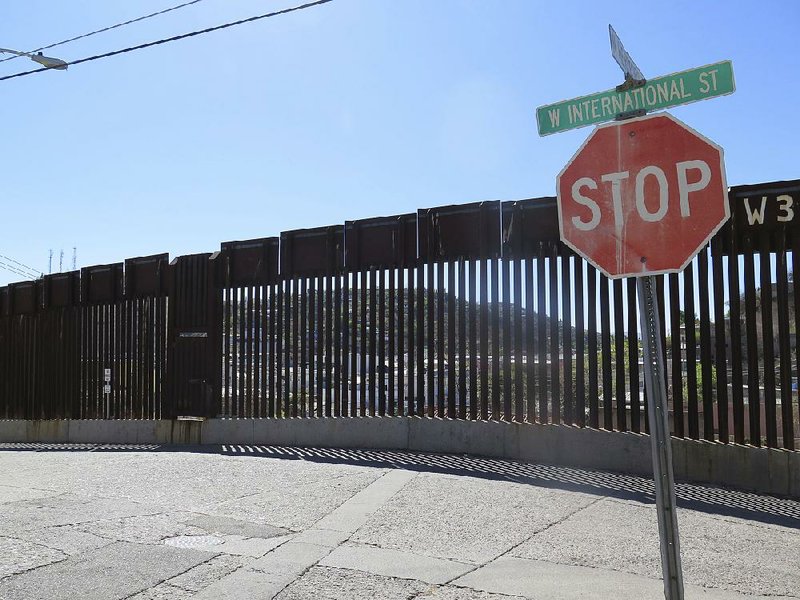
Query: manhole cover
x=193 y=541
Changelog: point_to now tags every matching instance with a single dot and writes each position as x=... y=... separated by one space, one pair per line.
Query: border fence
x=472 y=311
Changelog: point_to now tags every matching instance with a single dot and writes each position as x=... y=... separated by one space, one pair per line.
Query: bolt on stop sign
x=642 y=196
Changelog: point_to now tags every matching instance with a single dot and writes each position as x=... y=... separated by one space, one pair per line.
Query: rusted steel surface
x=474 y=311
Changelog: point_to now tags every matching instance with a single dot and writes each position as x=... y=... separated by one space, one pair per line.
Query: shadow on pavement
x=704 y=498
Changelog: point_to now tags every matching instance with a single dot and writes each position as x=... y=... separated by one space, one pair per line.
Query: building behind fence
x=474 y=311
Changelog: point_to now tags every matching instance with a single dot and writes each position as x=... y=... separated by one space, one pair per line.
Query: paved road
x=148 y=522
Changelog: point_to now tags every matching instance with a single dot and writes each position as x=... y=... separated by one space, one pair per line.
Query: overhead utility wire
x=8 y=258
x=26 y=267
x=19 y=271
x=175 y=38
x=11 y=269
x=85 y=35
x=16 y=271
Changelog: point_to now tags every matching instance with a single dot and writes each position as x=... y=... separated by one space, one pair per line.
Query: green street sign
x=693 y=85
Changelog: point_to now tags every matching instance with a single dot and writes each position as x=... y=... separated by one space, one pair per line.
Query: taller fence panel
x=310 y=308
x=142 y=342
x=19 y=360
x=761 y=243
x=102 y=390
x=381 y=362
x=459 y=249
x=246 y=285
x=59 y=346
x=193 y=336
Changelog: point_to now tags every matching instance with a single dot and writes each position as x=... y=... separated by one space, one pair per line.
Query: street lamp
x=46 y=61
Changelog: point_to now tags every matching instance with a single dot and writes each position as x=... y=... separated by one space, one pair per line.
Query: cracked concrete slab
x=452 y=592
x=68 y=509
x=163 y=591
x=19 y=556
x=290 y=560
x=64 y=538
x=108 y=573
x=203 y=575
x=15 y=494
x=353 y=513
x=244 y=583
x=716 y=551
x=540 y=579
x=328 y=583
x=393 y=563
x=141 y=529
x=474 y=519
x=296 y=504
x=252 y=547
x=228 y=526
x=291 y=494
x=322 y=537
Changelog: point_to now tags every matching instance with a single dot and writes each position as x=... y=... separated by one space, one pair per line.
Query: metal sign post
x=656 y=393
x=608 y=173
x=604 y=216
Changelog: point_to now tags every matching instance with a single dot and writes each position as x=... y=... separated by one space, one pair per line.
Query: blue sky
x=354 y=109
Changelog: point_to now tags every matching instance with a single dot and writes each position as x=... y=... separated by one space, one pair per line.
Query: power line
x=175 y=38
x=16 y=271
x=11 y=269
x=104 y=29
x=31 y=269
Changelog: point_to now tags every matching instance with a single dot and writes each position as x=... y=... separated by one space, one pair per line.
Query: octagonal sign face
x=642 y=196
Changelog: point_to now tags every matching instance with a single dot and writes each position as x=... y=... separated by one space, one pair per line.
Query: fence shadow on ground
x=703 y=498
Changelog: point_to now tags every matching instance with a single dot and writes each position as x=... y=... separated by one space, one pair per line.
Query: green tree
x=699 y=373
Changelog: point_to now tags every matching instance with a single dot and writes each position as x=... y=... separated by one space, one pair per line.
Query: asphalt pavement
x=84 y=521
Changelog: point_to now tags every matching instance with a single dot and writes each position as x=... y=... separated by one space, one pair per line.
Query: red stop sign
x=642 y=196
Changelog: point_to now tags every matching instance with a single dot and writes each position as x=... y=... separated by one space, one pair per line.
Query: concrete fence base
x=747 y=467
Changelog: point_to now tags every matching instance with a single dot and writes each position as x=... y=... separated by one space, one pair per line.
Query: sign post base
x=656 y=393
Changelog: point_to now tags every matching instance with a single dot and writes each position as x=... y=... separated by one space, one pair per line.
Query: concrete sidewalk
x=152 y=522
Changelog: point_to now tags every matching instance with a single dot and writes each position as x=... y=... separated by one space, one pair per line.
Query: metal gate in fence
x=192 y=333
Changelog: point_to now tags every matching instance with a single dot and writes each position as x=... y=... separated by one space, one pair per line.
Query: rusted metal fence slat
x=753 y=392
x=690 y=326
x=620 y=374
x=519 y=364
x=706 y=363
x=720 y=345
x=767 y=337
x=452 y=351
x=505 y=277
x=605 y=353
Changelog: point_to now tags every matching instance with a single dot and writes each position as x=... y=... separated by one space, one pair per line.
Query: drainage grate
x=193 y=541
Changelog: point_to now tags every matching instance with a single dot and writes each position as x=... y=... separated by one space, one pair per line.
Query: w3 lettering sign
x=772 y=207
